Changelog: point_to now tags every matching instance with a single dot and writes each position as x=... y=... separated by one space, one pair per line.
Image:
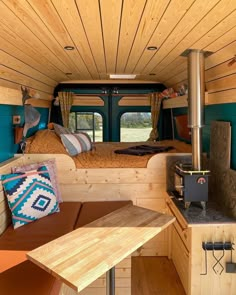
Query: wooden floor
x=155 y=276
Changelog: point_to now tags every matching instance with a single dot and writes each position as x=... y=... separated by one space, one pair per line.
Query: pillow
x=52 y=170
x=60 y=129
x=85 y=140
x=30 y=195
x=76 y=143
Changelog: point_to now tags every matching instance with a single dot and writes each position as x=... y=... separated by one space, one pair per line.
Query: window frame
x=85 y=129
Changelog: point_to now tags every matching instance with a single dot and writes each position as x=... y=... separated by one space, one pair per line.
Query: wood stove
x=191 y=181
x=191 y=185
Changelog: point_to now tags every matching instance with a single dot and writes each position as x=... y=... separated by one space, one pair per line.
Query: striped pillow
x=60 y=129
x=76 y=143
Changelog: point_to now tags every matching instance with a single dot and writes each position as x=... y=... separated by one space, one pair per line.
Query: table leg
x=110 y=281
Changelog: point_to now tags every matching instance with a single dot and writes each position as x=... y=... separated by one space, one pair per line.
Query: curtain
x=66 y=100
x=55 y=114
x=155 y=101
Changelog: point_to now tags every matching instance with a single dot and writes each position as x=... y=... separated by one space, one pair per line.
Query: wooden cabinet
x=189 y=258
x=180 y=245
x=180 y=257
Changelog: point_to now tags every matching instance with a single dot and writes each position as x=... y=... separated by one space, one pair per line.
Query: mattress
x=101 y=156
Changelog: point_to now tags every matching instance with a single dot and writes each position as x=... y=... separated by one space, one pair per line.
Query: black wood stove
x=191 y=185
x=191 y=180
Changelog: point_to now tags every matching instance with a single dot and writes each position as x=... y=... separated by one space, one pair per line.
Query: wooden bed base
x=146 y=187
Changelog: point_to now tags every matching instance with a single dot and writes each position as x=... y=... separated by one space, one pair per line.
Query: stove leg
x=203 y=204
x=110 y=281
x=187 y=205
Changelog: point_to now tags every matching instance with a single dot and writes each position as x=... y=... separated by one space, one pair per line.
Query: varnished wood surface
x=155 y=276
x=189 y=258
x=179 y=102
x=146 y=187
x=112 y=37
x=83 y=255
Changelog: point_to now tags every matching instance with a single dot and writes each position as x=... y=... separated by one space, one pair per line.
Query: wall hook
x=216 y=246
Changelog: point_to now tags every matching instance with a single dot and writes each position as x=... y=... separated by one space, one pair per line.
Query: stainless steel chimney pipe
x=196 y=98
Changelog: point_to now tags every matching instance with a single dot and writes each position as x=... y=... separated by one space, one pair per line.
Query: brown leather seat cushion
x=27 y=279
x=37 y=233
x=91 y=211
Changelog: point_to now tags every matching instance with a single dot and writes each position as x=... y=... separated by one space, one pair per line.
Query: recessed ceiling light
x=152 y=74
x=69 y=47
x=151 y=48
x=122 y=76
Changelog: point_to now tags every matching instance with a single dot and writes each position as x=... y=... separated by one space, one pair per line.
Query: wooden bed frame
x=146 y=187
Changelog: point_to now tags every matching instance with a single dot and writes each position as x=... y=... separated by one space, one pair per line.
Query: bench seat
x=91 y=211
x=28 y=237
x=42 y=231
x=28 y=279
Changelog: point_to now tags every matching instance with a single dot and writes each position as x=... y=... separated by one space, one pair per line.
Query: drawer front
x=180 y=257
x=175 y=211
x=184 y=234
x=180 y=224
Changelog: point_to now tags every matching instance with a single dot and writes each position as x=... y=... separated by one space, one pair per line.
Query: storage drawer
x=180 y=224
x=180 y=257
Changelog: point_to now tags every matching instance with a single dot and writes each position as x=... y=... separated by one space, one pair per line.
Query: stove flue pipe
x=196 y=98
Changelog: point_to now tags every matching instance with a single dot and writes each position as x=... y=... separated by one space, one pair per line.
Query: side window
x=135 y=127
x=89 y=122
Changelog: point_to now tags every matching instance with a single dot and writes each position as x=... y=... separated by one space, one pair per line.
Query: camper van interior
x=118 y=147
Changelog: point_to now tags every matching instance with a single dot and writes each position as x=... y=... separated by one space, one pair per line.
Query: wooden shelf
x=179 y=102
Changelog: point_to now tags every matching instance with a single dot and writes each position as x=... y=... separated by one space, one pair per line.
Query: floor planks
x=155 y=276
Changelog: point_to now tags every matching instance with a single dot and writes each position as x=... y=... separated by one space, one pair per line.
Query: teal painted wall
x=218 y=112
x=7 y=146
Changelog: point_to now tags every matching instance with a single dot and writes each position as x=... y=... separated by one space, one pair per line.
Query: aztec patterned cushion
x=30 y=195
x=76 y=143
x=52 y=170
x=60 y=129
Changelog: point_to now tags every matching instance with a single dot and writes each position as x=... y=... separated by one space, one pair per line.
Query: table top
x=83 y=255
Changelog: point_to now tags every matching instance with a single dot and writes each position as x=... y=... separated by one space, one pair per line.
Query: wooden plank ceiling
x=111 y=36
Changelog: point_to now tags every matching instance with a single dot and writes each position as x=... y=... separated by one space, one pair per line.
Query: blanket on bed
x=141 y=150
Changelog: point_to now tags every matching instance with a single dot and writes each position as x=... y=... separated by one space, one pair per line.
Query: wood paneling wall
x=10 y=96
x=113 y=37
x=220 y=76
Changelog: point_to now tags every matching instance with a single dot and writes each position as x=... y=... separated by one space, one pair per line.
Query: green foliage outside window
x=136 y=120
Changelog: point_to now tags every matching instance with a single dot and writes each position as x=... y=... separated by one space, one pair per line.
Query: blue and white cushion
x=30 y=195
x=60 y=129
x=76 y=143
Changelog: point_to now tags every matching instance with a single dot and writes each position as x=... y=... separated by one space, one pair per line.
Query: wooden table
x=81 y=256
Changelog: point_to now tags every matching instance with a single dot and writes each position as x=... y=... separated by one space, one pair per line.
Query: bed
x=103 y=154
x=141 y=179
